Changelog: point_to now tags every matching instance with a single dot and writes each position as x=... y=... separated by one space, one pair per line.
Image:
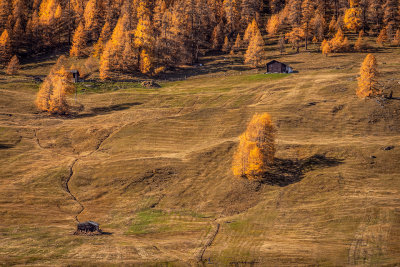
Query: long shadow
x=6 y=146
x=286 y=171
x=104 y=110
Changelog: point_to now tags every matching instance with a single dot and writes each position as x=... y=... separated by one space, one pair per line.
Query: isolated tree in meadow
x=255 y=52
x=62 y=87
x=13 y=66
x=52 y=95
x=5 y=47
x=294 y=37
x=382 y=38
x=78 y=42
x=256 y=150
x=368 y=80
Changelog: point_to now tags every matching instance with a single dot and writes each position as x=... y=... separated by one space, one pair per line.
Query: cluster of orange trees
x=52 y=95
x=150 y=36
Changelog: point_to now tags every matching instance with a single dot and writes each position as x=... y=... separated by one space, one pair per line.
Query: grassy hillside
x=152 y=166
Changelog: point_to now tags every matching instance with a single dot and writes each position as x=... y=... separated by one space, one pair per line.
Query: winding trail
x=71 y=173
x=209 y=240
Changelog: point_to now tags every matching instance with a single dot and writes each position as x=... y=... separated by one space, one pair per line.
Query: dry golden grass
x=152 y=166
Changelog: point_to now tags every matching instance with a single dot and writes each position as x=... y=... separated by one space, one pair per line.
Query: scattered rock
x=388 y=148
x=312 y=104
x=337 y=109
x=373 y=157
x=150 y=84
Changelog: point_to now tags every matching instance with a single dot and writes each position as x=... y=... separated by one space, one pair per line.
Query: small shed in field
x=88 y=227
x=75 y=76
x=278 y=67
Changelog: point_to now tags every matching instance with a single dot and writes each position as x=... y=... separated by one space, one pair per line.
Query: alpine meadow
x=199 y=133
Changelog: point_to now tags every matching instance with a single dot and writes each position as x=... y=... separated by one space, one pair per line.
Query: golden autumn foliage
x=368 y=80
x=339 y=43
x=238 y=44
x=273 y=25
x=145 y=62
x=251 y=30
x=5 y=46
x=255 y=52
x=105 y=34
x=382 y=38
x=52 y=95
x=295 y=37
x=231 y=9
x=326 y=47
x=107 y=60
x=352 y=18
x=78 y=42
x=256 y=150
x=226 y=45
x=13 y=66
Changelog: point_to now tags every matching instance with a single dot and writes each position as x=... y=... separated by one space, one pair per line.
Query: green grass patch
x=145 y=219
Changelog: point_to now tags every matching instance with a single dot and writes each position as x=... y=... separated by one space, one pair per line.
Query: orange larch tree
x=382 y=38
x=254 y=54
x=352 y=17
x=294 y=37
x=256 y=150
x=13 y=66
x=78 y=42
x=368 y=80
x=5 y=47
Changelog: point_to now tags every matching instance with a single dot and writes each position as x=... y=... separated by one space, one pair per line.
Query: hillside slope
x=152 y=166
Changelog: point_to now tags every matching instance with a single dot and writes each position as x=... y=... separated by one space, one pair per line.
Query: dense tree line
x=149 y=36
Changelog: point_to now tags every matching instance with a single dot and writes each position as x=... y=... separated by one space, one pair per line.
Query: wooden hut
x=88 y=227
x=75 y=76
x=278 y=67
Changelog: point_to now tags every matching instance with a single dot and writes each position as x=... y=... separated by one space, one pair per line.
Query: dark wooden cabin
x=75 y=76
x=88 y=227
x=278 y=67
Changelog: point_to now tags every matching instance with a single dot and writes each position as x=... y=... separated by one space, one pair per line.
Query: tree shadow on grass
x=286 y=171
x=104 y=110
x=6 y=146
